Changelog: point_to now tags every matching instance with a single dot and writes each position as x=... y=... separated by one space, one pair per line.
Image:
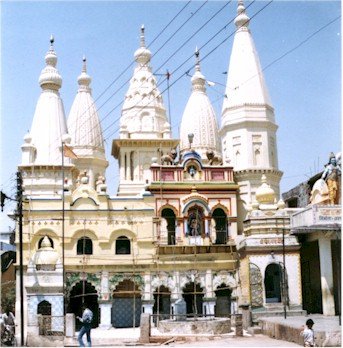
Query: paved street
x=246 y=341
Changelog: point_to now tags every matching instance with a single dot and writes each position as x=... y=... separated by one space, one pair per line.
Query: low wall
x=200 y=326
x=291 y=333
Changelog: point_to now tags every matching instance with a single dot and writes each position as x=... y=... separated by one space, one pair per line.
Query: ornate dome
x=199 y=118
x=46 y=255
x=143 y=113
x=50 y=77
x=265 y=194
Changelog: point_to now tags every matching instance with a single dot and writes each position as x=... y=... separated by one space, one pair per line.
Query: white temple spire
x=85 y=130
x=49 y=116
x=42 y=148
x=143 y=113
x=199 y=118
x=248 y=128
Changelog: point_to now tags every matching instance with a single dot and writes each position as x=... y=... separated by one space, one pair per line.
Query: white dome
x=199 y=118
x=83 y=121
x=46 y=255
x=265 y=194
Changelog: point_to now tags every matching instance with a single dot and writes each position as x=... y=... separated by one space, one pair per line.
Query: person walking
x=86 y=320
x=308 y=334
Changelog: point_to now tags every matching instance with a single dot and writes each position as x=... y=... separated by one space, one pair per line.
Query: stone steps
x=275 y=313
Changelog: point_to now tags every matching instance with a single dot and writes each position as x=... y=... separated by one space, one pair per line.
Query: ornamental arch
x=83 y=292
x=127 y=303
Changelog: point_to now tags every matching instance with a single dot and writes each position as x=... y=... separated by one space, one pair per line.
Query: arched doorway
x=193 y=295
x=162 y=302
x=223 y=301
x=84 y=292
x=44 y=308
x=127 y=303
x=272 y=283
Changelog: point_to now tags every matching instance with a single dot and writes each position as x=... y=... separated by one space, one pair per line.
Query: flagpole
x=63 y=264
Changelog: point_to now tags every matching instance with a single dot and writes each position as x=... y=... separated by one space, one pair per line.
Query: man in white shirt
x=86 y=320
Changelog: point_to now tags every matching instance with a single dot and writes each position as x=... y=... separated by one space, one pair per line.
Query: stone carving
x=164 y=279
x=101 y=187
x=169 y=158
x=213 y=159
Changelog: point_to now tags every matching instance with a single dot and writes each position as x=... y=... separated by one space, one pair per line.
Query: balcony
x=317 y=217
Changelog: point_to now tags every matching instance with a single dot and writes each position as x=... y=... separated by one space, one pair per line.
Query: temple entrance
x=84 y=292
x=272 y=283
x=44 y=308
x=310 y=277
x=127 y=304
x=223 y=301
x=161 y=303
x=193 y=295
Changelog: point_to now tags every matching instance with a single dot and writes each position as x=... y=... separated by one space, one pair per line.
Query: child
x=308 y=334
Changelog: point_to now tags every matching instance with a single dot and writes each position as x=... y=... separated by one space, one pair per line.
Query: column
x=326 y=276
x=209 y=300
x=147 y=306
x=122 y=168
x=208 y=305
x=147 y=287
x=105 y=314
x=105 y=303
x=128 y=165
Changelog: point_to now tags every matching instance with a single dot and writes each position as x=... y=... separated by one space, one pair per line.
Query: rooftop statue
x=332 y=177
x=327 y=188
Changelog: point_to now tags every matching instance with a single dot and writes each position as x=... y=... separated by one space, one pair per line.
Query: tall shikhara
x=248 y=128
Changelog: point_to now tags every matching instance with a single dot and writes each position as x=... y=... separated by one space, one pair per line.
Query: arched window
x=123 y=246
x=170 y=218
x=220 y=220
x=41 y=240
x=44 y=308
x=257 y=157
x=84 y=246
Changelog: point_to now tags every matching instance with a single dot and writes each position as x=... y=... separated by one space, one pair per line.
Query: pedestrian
x=86 y=320
x=308 y=333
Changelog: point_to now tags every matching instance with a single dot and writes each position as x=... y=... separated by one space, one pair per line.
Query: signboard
x=328 y=215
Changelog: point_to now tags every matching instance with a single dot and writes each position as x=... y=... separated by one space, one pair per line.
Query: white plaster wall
x=293 y=272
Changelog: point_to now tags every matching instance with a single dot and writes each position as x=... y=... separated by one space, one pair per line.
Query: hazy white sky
x=302 y=61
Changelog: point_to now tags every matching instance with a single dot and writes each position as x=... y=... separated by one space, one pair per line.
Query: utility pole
x=20 y=223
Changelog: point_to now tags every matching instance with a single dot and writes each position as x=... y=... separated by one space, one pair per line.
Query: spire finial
x=84 y=79
x=142 y=36
x=242 y=20
x=197 y=59
x=52 y=39
x=84 y=67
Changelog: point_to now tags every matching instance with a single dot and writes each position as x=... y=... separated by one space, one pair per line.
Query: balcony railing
x=317 y=216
